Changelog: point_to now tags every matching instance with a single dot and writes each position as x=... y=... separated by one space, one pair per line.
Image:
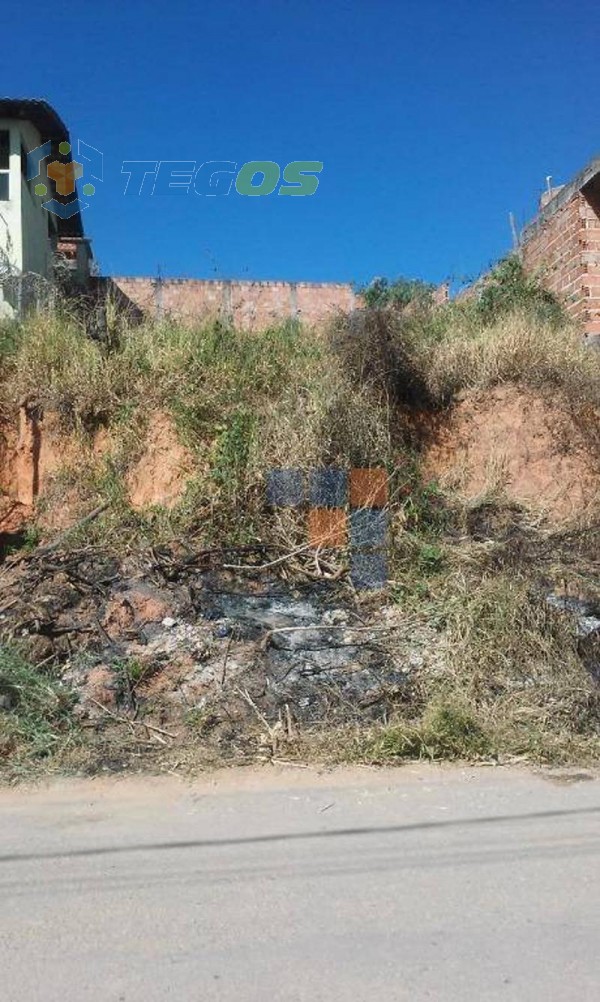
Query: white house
x=31 y=236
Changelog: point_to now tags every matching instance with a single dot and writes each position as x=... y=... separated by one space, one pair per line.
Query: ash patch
x=166 y=638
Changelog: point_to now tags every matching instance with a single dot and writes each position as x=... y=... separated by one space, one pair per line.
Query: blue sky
x=433 y=119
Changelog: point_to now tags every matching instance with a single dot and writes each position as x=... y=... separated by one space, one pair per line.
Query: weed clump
x=35 y=716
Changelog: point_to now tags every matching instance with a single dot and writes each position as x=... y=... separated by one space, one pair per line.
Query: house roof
x=561 y=197
x=51 y=127
x=46 y=120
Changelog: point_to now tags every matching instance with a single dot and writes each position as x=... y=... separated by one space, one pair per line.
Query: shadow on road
x=333 y=833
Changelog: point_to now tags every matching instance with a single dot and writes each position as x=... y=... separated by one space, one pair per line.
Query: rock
x=168 y=622
x=336 y=617
x=222 y=630
x=568 y=603
x=586 y=625
x=580 y=609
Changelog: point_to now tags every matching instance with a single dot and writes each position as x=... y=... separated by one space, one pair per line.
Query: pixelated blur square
x=328 y=487
x=368 y=570
x=285 y=487
x=327 y=527
x=368 y=487
x=368 y=528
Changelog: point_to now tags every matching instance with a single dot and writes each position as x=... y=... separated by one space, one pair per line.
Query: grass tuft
x=36 y=715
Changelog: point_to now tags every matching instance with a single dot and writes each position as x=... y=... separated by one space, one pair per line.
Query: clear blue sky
x=433 y=118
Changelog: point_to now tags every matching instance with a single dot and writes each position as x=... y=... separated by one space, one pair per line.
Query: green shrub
x=508 y=288
x=398 y=292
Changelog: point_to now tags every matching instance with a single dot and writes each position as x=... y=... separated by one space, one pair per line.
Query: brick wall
x=562 y=247
x=553 y=253
x=250 y=305
x=590 y=258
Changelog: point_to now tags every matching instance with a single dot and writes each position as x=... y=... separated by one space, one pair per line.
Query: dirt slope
x=519 y=441
x=507 y=438
x=33 y=449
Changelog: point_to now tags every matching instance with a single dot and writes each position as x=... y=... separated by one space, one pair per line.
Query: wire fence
x=23 y=293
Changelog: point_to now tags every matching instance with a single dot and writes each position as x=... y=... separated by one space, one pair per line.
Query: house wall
x=11 y=239
x=37 y=249
x=250 y=305
x=590 y=258
x=23 y=221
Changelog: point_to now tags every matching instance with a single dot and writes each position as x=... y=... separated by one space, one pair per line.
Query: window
x=4 y=165
x=4 y=149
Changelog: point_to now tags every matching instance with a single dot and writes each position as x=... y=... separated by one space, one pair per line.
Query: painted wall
x=23 y=221
x=37 y=250
x=11 y=238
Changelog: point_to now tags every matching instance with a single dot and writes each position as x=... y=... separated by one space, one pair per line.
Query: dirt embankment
x=33 y=449
x=521 y=443
x=508 y=439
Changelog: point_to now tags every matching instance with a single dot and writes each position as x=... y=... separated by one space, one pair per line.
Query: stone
x=335 y=617
x=580 y=609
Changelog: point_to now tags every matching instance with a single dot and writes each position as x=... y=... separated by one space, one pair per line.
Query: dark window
x=24 y=162
x=4 y=149
x=4 y=193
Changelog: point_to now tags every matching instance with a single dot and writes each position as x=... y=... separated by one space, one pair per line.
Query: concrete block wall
x=250 y=305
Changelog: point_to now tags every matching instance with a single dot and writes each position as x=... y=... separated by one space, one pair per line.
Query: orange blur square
x=369 y=487
x=327 y=527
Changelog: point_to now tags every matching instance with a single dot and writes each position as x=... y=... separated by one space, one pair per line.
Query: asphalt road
x=448 y=884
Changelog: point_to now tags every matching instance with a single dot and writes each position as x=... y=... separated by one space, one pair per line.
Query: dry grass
x=517 y=349
x=506 y=682
x=425 y=358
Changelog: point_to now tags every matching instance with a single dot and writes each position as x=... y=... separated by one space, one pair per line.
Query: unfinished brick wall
x=562 y=248
x=590 y=258
x=553 y=253
x=250 y=305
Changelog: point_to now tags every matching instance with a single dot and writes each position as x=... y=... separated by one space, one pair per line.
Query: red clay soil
x=33 y=448
x=160 y=475
x=520 y=441
x=507 y=437
x=15 y=503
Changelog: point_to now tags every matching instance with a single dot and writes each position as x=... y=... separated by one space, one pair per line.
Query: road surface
x=421 y=883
